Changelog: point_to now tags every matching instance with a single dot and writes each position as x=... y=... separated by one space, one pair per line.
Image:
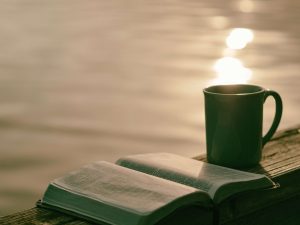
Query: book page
x=201 y=175
x=125 y=188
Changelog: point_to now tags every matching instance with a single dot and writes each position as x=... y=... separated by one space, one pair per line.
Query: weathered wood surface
x=281 y=161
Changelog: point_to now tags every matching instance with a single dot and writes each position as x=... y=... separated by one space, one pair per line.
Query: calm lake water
x=95 y=80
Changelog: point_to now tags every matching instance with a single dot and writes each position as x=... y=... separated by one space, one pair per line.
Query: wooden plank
x=281 y=161
x=38 y=216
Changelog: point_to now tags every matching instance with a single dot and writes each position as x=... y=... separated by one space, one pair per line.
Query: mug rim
x=208 y=90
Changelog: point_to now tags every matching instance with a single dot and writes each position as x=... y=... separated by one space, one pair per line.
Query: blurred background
x=82 y=81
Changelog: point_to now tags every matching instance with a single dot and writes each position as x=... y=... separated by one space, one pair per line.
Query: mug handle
x=278 y=113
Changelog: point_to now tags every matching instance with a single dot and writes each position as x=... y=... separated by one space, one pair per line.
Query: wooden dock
x=280 y=206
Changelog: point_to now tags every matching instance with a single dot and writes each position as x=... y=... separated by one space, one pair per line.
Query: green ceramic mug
x=233 y=120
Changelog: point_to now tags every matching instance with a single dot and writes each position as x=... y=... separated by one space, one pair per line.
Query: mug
x=233 y=122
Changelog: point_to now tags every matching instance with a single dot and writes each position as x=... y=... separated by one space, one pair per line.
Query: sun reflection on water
x=239 y=38
x=230 y=69
x=246 y=6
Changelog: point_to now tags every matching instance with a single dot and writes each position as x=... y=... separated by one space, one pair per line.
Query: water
x=84 y=81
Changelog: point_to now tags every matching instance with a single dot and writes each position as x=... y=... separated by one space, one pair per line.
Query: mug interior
x=234 y=89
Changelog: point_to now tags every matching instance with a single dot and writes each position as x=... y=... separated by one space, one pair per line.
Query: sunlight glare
x=231 y=70
x=239 y=38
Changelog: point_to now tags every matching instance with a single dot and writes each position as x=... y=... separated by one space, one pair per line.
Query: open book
x=148 y=189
